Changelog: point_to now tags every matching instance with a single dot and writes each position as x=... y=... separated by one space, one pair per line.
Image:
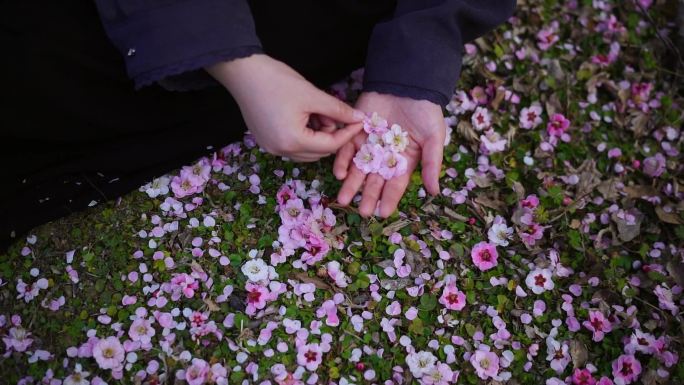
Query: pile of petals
x=306 y=224
x=382 y=152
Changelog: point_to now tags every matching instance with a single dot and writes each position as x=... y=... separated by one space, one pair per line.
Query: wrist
x=234 y=72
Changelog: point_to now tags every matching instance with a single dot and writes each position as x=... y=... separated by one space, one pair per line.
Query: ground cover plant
x=552 y=256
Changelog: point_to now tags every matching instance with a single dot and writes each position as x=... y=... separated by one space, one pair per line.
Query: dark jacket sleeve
x=172 y=40
x=417 y=53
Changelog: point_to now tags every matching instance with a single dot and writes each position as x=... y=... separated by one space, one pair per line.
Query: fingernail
x=359 y=115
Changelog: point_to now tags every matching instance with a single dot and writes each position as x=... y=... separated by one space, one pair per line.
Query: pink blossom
x=539 y=280
x=316 y=249
x=292 y=212
x=531 y=234
x=369 y=158
x=375 y=124
x=654 y=166
x=256 y=297
x=309 y=356
x=557 y=125
x=29 y=291
x=452 y=298
x=481 y=119
x=336 y=274
x=109 y=353
x=484 y=255
x=486 y=364
x=531 y=201
x=440 y=374
x=547 y=37
x=582 y=377
x=597 y=324
x=17 y=339
x=492 y=142
x=141 y=330
x=197 y=373
x=393 y=165
x=530 y=117
x=626 y=369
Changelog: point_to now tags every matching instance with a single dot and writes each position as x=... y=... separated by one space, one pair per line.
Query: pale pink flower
x=530 y=117
x=626 y=369
x=420 y=363
x=336 y=274
x=396 y=138
x=440 y=374
x=197 y=373
x=141 y=330
x=492 y=142
x=539 y=280
x=28 y=291
x=309 y=356
x=109 y=353
x=640 y=342
x=598 y=324
x=558 y=355
x=375 y=124
x=486 y=364
x=17 y=339
x=484 y=255
x=369 y=158
x=481 y=119
x=461 y=103
x=452 y=298
x=393 y=165
x=547 y=37
x=292 y=212
x=654 y=166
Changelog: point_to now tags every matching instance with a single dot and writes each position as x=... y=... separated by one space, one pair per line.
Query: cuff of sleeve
x=188 y=74
x=412 y=92
x=183 y=36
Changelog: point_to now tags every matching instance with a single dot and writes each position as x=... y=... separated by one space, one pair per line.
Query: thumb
x=431 y=162
x=332 y=107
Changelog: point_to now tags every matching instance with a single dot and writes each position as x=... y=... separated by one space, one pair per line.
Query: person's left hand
x=424 y=122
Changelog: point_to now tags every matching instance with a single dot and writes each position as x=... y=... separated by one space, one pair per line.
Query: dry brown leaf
x=304 y=277
x=666 y=217
x=395 y=226
x=466 y=131
x=638 y=191
x=578 y=353
x=454 y=215
x=211 y=305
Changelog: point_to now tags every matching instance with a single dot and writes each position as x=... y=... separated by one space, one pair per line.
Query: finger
x=394 y=189
x=431 y=162
x=314 y=122
x=334 y=108
x=343 y=159
x=371 y=194
x=326 y=122
x=351 y=185
x=329 y=142
x=306 y=158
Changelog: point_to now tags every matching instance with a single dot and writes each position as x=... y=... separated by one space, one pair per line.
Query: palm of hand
x=424 y=123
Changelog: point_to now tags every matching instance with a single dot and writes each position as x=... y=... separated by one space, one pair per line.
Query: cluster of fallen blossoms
x=553 y=255
x=381 y=154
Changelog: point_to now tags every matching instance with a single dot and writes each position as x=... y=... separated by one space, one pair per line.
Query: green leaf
x=428 y=302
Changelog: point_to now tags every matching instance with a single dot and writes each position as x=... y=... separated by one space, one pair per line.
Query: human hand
x=287 y=115
x=424 y=123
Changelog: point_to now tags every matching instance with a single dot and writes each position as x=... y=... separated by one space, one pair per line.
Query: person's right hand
x=279 y=106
